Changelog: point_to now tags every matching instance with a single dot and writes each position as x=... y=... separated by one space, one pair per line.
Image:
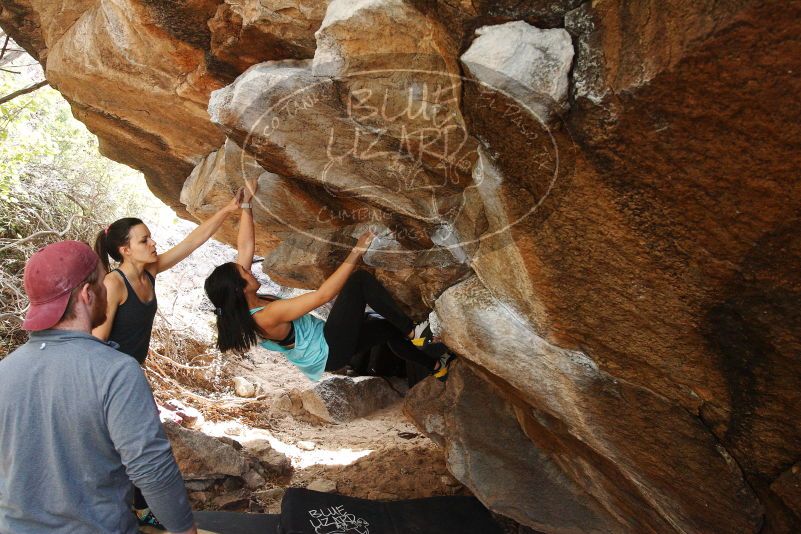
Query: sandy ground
x=381 y=456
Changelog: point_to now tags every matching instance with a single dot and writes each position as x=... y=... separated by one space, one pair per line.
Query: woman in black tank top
x=134 y=320
x=131 y=289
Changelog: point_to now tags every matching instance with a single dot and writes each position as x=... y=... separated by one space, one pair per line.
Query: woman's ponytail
x=100 y=248
x=112 y=237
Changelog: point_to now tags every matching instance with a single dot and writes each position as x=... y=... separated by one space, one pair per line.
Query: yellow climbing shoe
x=445 y=361
x=422 y=334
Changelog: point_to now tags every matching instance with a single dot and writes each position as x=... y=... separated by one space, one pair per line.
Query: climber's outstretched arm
x=246 y=239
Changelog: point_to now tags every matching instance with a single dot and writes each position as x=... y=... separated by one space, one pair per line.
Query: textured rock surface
x=526 y=62
x=243 y=387
x=638 y=256
x=271 y=460
x=532 y=488
x=567 y=399
x=181 y=414
x=788 y=488
x=246 y=32
x=139 y=82
x=322 y=484
x=277 y=109
x=200 y=456
x=340 y=399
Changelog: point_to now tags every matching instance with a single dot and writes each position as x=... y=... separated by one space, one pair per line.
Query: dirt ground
x=381 y=456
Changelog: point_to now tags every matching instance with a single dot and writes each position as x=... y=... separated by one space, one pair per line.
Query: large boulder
x=201 y=456
x=528 y=63
x=340 y=399
x=246 y=32
x=498 y=462
x=610 y=436
x=136 y=84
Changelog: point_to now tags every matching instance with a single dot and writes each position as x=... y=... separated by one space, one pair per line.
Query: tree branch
x=5 y=45
x=24 y=91
x=18 y=242
x=10 y=317
x=80 y=204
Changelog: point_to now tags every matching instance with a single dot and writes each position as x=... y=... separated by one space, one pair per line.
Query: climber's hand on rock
x=251 y=187
x=233 y=205
x=364 y=242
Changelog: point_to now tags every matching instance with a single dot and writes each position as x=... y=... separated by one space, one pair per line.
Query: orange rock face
x=600 y=199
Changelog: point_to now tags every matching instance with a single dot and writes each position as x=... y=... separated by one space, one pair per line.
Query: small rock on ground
x=323 y=484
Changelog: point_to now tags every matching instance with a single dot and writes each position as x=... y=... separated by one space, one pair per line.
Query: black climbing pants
x=348 y=332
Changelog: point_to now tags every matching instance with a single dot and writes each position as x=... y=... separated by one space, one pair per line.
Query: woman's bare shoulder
x=115 y=287
x=265 y=317
x=113 y=280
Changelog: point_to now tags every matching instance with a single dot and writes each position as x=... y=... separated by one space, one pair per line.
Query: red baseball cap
x=50 y=275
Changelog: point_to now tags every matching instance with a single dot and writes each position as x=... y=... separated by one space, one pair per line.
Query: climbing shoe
x=147 y=519
x=445 y=361
x=422 y=334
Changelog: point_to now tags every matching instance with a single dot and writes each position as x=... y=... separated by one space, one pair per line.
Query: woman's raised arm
x=246 y=239
x=196 y=237
x=286 y=310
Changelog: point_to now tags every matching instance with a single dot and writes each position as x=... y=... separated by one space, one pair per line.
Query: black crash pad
x=237 y=523
x=310 y=512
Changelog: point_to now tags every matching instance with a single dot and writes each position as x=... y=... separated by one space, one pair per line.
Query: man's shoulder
x=94 y=347
x=102 y=354
x=86 y=349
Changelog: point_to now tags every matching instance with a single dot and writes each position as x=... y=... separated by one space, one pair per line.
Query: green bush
x=54 y=185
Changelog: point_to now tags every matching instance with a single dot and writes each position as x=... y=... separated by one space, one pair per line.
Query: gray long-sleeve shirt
x=78 y=423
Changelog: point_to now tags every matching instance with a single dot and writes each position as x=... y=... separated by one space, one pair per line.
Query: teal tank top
x=310 y=352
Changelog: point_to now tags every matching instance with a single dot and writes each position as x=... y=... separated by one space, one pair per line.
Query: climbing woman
x=312 y=345
x=131 y=289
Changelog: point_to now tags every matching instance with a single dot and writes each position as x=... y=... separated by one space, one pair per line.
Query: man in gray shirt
x=78 y=421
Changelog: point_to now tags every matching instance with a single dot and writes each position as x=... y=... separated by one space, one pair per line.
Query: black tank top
x=133 y=322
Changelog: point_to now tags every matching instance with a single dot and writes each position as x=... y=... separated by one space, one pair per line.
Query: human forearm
x=168 y=501
x=154 y=471
x=196 y=237
x=208 y=228
x=246 y=239
x=334 y=283
x=290 y=309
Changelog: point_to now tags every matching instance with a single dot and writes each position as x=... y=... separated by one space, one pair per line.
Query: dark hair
x=114 y=236
x=69 y=311
x=236 y=328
